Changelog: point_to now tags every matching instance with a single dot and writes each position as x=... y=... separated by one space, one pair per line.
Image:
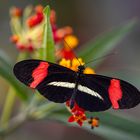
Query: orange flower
x=14 y=38
x=39 y=9
x=72 y=42
x=65 y=63
x=88 y=70
x=78 y=114
x=94 y=122
x=16 y=12
x=74 y=63
x=78 y=117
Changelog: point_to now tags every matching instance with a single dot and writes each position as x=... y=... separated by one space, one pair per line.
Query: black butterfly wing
x=101 y=84
x=91 y=95
x=41 y=74
x=130 y=94
x=56 y=83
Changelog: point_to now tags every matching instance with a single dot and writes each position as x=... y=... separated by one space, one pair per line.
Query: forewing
x=29 y=71
x=130 y=94
x=39 y=74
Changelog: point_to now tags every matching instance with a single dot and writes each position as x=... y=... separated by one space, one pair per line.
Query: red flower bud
x=20 y=47
x=53 y=17
x=30 y=48
x=35 y=20
x=39 y=9
x=14 y=38
x=16 y=12
x=67 y=54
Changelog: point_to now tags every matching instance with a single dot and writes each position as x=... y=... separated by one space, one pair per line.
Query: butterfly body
x=91 y=92
x=72 y=99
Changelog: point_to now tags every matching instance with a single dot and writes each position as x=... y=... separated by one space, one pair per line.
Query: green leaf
x=48 y=49
x=20 y=89
x=6 y=73
x=4 y=59
x=129 y=76
x=111 y=126
x=103 y=44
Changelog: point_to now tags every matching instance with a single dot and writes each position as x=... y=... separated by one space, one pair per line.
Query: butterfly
x=90 y=92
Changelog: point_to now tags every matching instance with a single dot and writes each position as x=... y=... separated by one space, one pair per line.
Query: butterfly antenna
x=99 y=58
x=73 y=51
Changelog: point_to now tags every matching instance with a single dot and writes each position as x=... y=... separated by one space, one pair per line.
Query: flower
x=89 y=70
x=72 y=42
x=35 y=20
x=16 y=12
x=39 y=9
x=78 y=114
x=65 y=63
x=27 y=32
x=67 y=54
x=14 y=38
x=74 y=63
x=78 y=117
x=53 y=17
x=94 y=122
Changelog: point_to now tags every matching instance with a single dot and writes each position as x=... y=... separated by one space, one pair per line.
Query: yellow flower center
x=72 y=41
x=74 y=63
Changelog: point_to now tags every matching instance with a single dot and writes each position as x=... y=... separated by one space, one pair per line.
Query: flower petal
x=71 y=119
x=80 y=122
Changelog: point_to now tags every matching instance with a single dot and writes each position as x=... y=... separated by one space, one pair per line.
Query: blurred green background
x=88 y=18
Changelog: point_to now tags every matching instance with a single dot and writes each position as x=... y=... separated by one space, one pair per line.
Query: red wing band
x=115 y=92
x=39 y=74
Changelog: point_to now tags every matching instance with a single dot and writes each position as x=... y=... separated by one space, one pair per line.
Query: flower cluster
x=27 y=29
x=79 y=116
x=74 y=63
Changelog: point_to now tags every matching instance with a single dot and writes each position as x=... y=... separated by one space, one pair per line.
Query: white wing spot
x=80 y=88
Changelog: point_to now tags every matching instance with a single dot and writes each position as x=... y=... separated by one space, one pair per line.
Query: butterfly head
x=81 y=68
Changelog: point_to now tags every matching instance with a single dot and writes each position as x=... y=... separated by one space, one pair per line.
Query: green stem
x=10 y=99
x=8 y=107
x=14 y=123
x=28 y=113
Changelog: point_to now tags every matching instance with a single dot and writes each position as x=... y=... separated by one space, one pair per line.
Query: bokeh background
x=88 y=18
